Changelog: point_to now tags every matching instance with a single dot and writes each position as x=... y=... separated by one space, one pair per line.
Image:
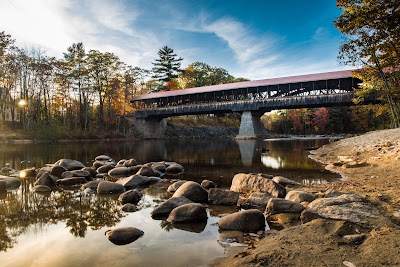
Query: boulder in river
x=81 y=173
x=192 y=191
x=92 y=185
x=285 y=181
x=43 y=170
x=133 y=181
x=146 y=171
x=105 y=168
x=103 y=158
x=173 y=187
x=118 y=172
x=219 y=196
x=191 y=212
x=71 y=181
x=159 y=166
x=67 y=174
x=6 y=170
x=165 y=208
x=300 y=196
x=69 y=164
x=279 y=205
x=207 y=184
x=97 y=164
x=174 y=168
x=131 y=196
x=256 y=200
x=136 y=168
x=106 y=187
x=46 y=180
x=91 y=170
x=244 y=183
x=57 y=170
x=129 y=207
x=120 y=163
x=124 y=235
x=248 y=221
x=11 y=182
x=130 y=163
x=154 y=180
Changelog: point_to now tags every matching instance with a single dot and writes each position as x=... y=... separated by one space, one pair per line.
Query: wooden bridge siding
x=255 y=93
x=249 y=105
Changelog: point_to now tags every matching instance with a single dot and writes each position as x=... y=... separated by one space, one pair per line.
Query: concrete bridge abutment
x=251 y=126
x=151 y=128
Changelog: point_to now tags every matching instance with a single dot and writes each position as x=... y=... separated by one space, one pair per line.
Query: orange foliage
x=172 y=85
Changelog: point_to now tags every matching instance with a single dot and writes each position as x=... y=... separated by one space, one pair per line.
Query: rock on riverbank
x=371 y=181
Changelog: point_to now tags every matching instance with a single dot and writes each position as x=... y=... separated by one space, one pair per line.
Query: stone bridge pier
x=151 y=128
x=251 y=126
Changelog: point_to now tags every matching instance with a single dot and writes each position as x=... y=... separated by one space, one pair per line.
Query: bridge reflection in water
x=286 y=157
x=218 y=160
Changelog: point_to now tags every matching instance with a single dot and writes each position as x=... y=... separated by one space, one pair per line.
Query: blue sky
x=251 y=39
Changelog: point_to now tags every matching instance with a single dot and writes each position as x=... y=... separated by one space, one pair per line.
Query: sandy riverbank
x=370 y=167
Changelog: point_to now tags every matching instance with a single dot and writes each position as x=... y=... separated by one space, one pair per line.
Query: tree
x=103 y=69
x=372 y=28
x=134 y=79
x=320 y=119
x=77 y=73
x=296 y=118
x=167 y=66
x=6 y=71
x=200 y=74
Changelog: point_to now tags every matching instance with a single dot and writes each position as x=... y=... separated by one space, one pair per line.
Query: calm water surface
x=67 y=228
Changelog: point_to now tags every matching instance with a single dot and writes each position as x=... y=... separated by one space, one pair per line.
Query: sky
x=254 y=39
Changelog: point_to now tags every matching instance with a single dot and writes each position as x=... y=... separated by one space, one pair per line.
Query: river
x=67 y=228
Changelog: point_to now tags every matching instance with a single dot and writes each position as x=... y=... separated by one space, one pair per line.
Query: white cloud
x=252 y=52
x=113 y=15
x=244 y=46
x=319 y=34
x=99 y=24
x=38 y=22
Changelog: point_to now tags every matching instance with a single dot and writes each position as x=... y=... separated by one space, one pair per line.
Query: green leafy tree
x=167 y=66
x=200 y=74
x=372 y=29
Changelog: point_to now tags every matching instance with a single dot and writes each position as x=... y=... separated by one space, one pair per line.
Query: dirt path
x=370 y=167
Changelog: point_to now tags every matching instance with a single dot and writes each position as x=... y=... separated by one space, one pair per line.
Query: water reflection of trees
x=23 y=210
x=290 y=155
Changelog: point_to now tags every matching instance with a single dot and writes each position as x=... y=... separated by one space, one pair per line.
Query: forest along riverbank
x=351 y=223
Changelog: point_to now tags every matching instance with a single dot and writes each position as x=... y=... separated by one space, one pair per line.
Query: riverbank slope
x=369 y=165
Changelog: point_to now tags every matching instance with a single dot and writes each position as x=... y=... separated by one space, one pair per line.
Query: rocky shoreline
x=370 y=187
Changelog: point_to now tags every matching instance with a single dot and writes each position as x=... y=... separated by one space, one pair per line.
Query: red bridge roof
x=248 y=84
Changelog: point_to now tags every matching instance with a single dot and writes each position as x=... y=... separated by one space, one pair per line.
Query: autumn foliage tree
x=296 y=120
x=372 y=29
x=320 y=119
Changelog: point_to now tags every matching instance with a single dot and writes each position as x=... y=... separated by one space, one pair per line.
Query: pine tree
x=167 y=66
